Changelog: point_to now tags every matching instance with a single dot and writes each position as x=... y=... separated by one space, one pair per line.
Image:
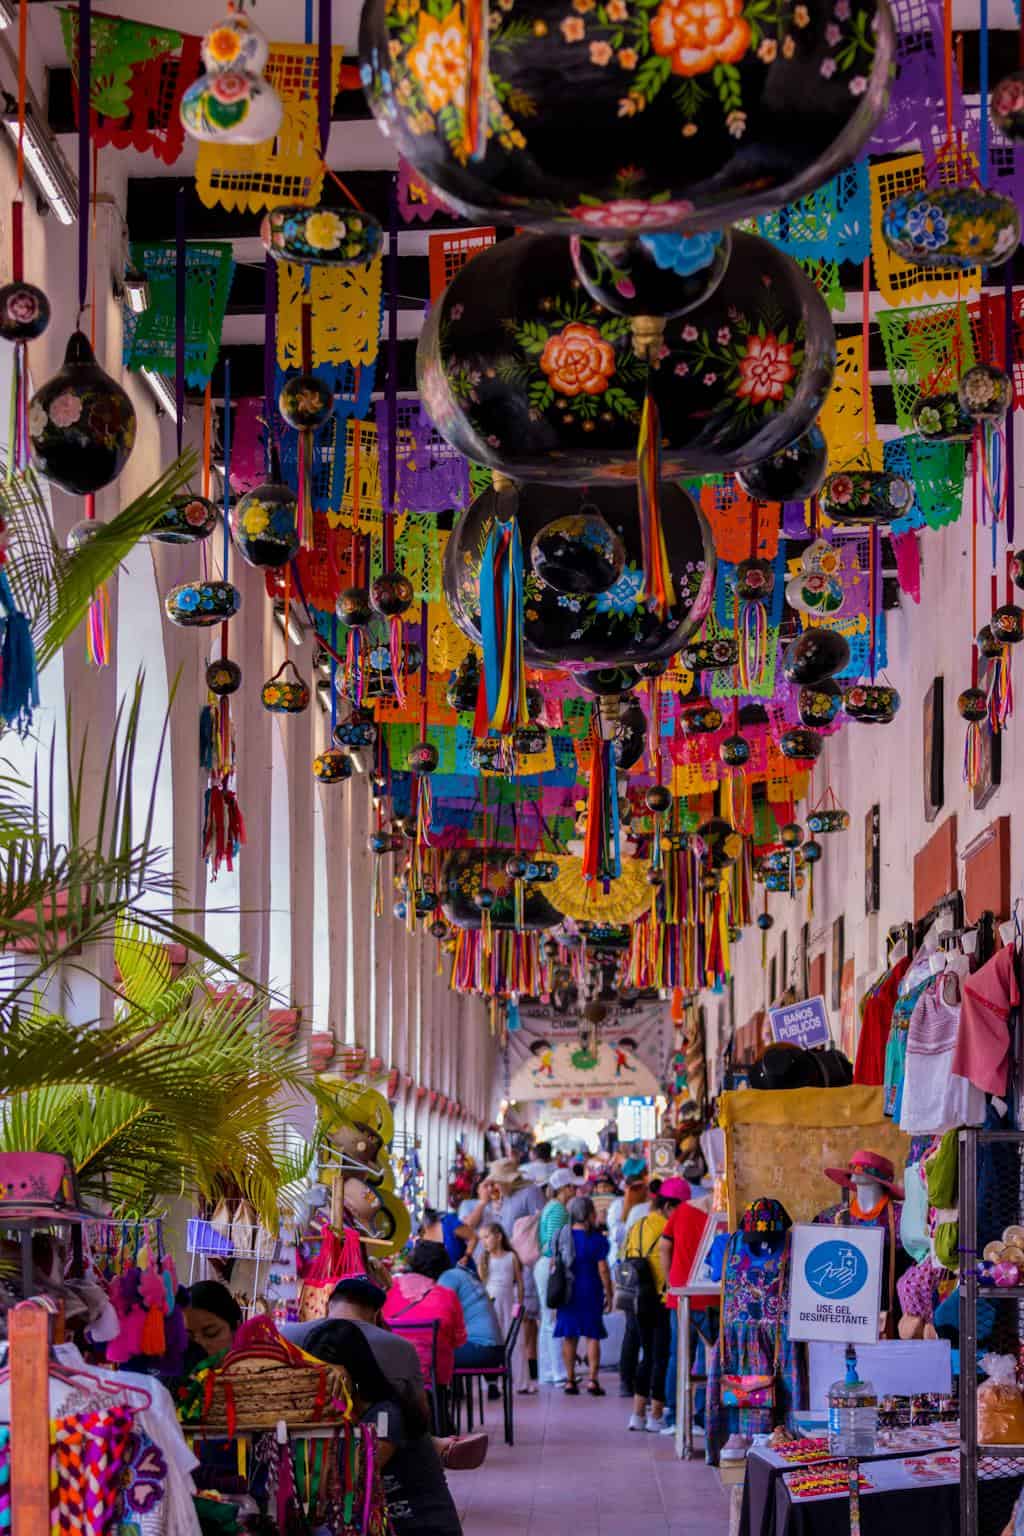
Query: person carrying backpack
x=640 y=1284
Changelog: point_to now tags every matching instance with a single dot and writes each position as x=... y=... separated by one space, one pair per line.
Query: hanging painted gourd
x=941 y=419
x=562 y=118
x=305 y=401
x=519 y=370
x=795 y=473
x=231 y=103
x=986 y=393
x=578 y=554
x=223 y=677
x=800 y=745
x=264 y=525
x=464 y=686
x=285 y=695
x=1007 y=624
x=608 y=628
x=353 y=607
x=819 y=703
x=815 y=655
x=24 y=311
x=1006 y=105
x=332 y=766
x=754 y=585
x=201 y=604
x=462 y=887
x=186 y=519
x=955 y=226
x=321 y=237
x=81 y=424
x=816 y=589
x=860 y=497
x=871 y=703
x=718 y=655
x=607 y=682
x=630 y=736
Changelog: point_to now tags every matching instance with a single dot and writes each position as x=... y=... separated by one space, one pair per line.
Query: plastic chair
x=494 y=1375
x=438 y=1396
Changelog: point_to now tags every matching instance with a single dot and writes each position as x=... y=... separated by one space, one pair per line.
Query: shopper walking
x=651 y=1318
x=585 y=1251
x=562 y=1187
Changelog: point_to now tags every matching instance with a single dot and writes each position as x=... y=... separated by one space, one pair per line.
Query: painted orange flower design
x=698 y=34
x=439 y=60
x=766 y=369
x=578 y=361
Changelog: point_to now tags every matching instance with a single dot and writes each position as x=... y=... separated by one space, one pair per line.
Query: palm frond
x=54 y=588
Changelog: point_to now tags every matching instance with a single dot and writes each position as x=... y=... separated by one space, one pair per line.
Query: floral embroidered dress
x=755 y=1299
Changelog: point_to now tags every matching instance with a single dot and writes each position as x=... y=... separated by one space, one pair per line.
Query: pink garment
x=982 y=1051
x=413 y=1300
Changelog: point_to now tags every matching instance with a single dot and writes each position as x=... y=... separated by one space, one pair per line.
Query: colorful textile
x=90 y=1454
x=755 y=1300
x=876 y=1020
x=583 y=1318
x=982 y=1051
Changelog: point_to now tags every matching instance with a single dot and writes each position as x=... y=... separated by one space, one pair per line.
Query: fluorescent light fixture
x=49 y=170
x=161 y=390
x=295 y=629
x=136 y=287
x=7 y=16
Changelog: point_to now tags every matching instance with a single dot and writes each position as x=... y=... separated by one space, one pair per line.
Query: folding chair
x=438 y=1396
x=494 y=1375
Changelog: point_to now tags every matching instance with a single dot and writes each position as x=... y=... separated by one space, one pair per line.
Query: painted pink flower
x=65 y=410
x=840 y=488
x=766 y=369
x=229 y=85
x=632 y=213
x=600 y=53
x=572 y=29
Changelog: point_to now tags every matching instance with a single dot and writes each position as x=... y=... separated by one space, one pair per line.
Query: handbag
x=635 y=1287
x=747 y=1389
x=559 y=1287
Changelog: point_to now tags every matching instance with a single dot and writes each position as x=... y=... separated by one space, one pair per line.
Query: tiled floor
x=576 y=1471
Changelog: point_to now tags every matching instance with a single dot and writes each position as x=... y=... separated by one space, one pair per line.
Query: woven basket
x=256 y=1387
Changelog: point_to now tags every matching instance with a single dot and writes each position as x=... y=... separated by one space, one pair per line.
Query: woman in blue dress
x=585 y=1253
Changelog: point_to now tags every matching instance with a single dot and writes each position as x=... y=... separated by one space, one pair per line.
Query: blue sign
x=835 y=1270
x=803 y=1023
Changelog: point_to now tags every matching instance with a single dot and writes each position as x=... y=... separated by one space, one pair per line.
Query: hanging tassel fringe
x=754 y=646
x=18 y=428
x=601 y=847
x=97 y=629
x=223 y=828
x=19 y=681
x=972 y=754
x=501 y=623
x=397 y=651
x=207 y=731
x=1000 y=693
x=657 y=572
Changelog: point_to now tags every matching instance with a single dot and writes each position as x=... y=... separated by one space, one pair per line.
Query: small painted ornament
x=656 y=667
x=1007 y=624
x=815 y=655
x=755 y=580
x=722 y=843
x=464 y=685
x=973 y=704
x=791 y=835
x=783 y=880
x=795 y=473
x=860 y=497
x=734 y=752
x=827 y=820
x=754 y=584
x=988 y=643
x=282 y=695
x=306 y=402
x=608 y=682
x=1017 y=568
x=81 y=424
x=231 y=103
x=423 y=758
x=658 y=799
x=24 y=311
x=82 y=533
x=800 y=745
x=816 y=589
x=986 y=393
x=812 y=851
x=941 y=419
x=699 y=718
x=353 y=607
x=818 y=704
x=952 y=226
x=201 y=604
x=871 y=703
x=384 y=842
x=426 y=902
x=223 y=677
x=332 y=766
x=359 y=730
x=1006 y=105
x=391 y=594
x=659 y=275
x=718 y=655
x=186 y=519
x=580 y=553
x=438 y=929
x=485 y=754
x=528 y=740
x=765 y=921
x=321 y=237
x=264 y=523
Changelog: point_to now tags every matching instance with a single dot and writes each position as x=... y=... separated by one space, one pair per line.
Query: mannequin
x=876 y=1200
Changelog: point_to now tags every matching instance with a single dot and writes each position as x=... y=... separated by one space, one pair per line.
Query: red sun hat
x=874 y=1165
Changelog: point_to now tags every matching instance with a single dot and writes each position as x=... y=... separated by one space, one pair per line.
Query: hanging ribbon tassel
x=972 y=754
x=396 y=649
x=501 y=623
x=657 y=573
x=97 y=632
x=19 y=681
x=1000 y=695
x=474 y=138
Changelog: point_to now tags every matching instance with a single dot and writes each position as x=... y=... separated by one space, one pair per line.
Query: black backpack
x=636 y=1289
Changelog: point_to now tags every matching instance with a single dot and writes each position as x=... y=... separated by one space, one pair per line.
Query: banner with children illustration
x=554 y=1069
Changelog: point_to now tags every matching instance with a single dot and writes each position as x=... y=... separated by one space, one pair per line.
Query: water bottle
x=852 y=1412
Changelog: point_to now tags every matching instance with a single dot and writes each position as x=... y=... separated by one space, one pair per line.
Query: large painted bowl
x=522 y=371
x=582 y=630
x=614 y=116
x=464 y=875
x=81 y=424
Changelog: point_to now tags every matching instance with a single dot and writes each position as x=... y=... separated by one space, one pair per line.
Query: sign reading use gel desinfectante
x=836 y=1283
x=803 y=1023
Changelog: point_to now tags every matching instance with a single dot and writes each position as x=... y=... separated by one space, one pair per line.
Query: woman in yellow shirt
x=654 y=1321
